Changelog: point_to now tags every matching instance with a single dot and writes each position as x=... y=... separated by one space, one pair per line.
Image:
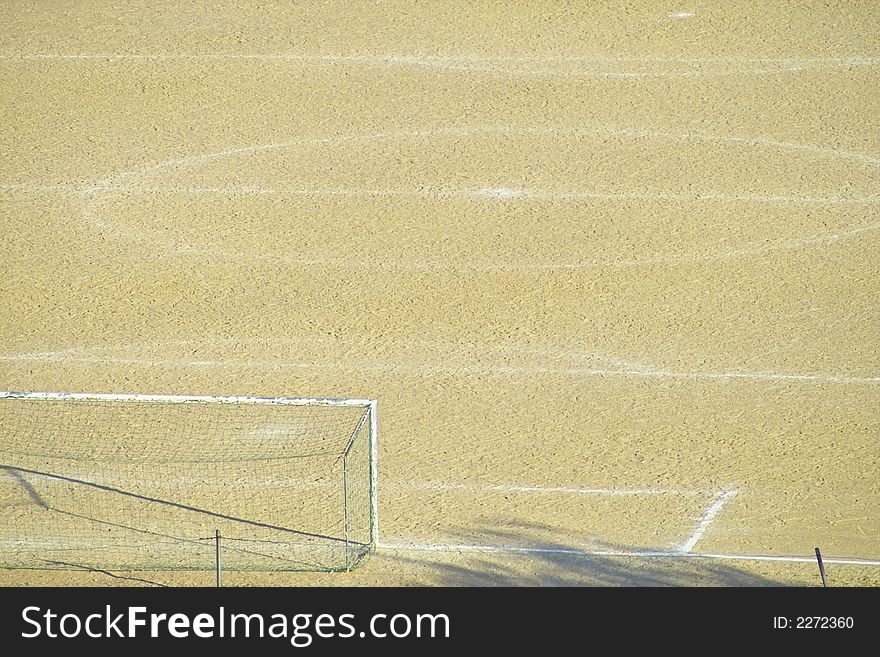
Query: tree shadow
x=530 y=559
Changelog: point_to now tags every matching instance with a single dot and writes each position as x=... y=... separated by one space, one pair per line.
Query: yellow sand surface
x=611 y=270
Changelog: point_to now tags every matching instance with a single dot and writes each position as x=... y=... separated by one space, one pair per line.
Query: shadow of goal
x=145 y=482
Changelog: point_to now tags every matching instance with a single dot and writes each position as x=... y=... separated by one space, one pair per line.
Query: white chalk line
x=712 y=510
x=449 y=370
x=446 y=351
x=408 y=546
x=444 y=348
x=401 y=485
x=851 y=60
x=519 y=65
x=106 y=186
x=506 y=194
x=426 y=265
x=490 y=130
x=28 y=187
x=540 y=490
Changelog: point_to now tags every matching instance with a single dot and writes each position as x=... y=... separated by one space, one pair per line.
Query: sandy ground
x=603 y=249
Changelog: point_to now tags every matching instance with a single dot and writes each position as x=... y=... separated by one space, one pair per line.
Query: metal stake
x=821 y=568
x=217 y=538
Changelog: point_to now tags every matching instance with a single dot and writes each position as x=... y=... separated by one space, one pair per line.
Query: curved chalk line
x=108 y=186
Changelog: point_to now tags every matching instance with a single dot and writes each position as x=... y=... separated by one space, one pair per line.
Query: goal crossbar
x=186 y=399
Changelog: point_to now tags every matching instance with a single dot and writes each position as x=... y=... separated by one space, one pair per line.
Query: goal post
x=145 y=482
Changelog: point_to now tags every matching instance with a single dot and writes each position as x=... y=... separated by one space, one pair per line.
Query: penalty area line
x=706 y=519
x=521 y=488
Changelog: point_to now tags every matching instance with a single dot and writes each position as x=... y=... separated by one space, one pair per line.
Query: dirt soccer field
x=612 y=271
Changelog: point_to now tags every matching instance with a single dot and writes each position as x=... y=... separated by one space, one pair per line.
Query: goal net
x=143 y=482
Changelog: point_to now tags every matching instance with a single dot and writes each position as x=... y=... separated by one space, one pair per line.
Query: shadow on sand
x=546 y=562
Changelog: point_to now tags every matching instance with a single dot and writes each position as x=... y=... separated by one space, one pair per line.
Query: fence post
x=217 y=538
x=821 y=568
x=345 y=507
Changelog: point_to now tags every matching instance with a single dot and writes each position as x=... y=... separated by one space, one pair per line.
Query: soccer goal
x=146 y=482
